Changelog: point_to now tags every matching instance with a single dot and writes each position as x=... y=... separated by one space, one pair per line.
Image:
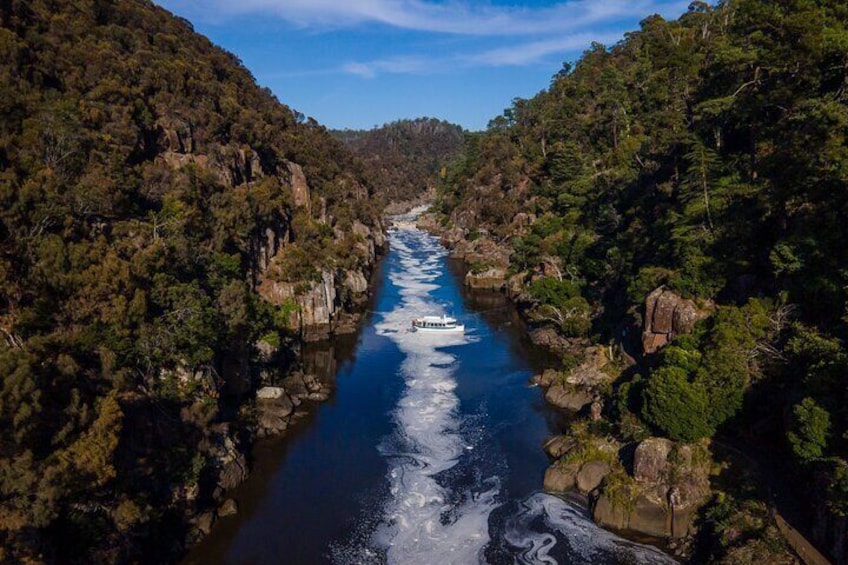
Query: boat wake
x=423 y=520
x=444 y=497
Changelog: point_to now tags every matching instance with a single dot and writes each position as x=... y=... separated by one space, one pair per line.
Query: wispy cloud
x=454 y=16
x=514 y=55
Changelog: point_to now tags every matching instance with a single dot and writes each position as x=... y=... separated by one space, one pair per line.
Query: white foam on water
x=425 y=521
x=586 y=542
x=420 y=523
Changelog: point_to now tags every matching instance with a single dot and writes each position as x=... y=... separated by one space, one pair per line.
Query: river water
x=429 y=451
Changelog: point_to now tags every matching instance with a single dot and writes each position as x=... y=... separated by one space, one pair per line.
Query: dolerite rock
x=228 y=508
x=650 y=516
x=669 y=486
x=274 y=408
x=493 y=278
x=270 y=393
x=650 y=460
x=204 y=522
x=667 y=315
x=225 y=458
x=546 y=378
x=591 y=474
x=609 y=514
x=295 y=386
x=558 y=446
x=561 y=477
x=552 y=340
x=299 y=185
x=568 y=397
x=356 y=283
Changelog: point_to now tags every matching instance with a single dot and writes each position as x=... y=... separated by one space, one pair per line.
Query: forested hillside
x=706 y=156
x=159 y=213
x=405 y=159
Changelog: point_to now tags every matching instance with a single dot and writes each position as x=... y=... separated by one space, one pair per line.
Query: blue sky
x=362 y=63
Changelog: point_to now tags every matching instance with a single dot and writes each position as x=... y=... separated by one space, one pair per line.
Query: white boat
x=437 y=324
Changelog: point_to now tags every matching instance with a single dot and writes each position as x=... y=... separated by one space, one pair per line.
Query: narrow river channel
x=428 y=452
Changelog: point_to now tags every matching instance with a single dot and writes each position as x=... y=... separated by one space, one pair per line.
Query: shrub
x=676 y=406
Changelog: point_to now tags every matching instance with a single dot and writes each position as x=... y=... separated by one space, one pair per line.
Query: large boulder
x=650 y=460
x=493 y=278
x=591 y=474
x=558 y=446
x=568 y=397
x=669 y=484
x=667 y=315
x=561 y=477
x=274 y=408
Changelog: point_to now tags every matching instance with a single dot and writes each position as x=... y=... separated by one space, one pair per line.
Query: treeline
x=403 y=159
x=708 y=155
x=146 y=183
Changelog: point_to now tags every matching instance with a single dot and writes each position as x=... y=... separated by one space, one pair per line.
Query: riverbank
x=289 y=374
x=633 y=484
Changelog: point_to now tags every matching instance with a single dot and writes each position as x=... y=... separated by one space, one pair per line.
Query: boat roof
x=436 y=319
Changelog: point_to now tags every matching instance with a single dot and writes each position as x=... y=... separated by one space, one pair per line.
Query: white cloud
x=461 y=17
x=514 y=55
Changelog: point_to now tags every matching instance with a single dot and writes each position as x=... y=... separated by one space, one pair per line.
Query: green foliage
x=676 y=406
x=560 y=303
x=403 y=159
x=144 y=192
x=810 y=430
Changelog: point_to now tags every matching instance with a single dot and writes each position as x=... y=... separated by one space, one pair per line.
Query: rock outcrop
x=667 y=315
x=669 y=484
x=581 y=463
x=579 y=387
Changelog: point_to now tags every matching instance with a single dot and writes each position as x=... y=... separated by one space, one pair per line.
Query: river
x=428 y=452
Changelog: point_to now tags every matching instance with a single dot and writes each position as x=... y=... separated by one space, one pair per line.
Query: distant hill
x=404 y=159
x=156 y=207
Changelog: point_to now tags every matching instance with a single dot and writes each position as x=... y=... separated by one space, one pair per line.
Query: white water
x=420 y=525
x=422 y=520
x=544 y=521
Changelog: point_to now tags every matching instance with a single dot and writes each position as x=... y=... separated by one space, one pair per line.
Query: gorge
x=203 y=308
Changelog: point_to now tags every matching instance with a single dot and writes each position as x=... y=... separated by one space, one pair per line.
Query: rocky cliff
x=161 y=217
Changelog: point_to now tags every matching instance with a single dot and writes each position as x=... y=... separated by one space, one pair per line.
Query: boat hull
x=454 y=330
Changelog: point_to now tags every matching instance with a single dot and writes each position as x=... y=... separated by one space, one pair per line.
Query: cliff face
x=161 y=218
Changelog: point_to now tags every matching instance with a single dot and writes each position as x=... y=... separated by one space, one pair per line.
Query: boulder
x=295 y=385
x=493 y=278
x=561 y=477
x=591 y=474
x=667 y=315
x=228 y=508
x=650 y=461
x=233 y=473
x=669 y=489
x=568 y=397
x=650 y=517
x=546 y=379
x=607 y=514
x=558 y=446
x=270 y=393
x=273 y=414
x=204 y=522
x=551 y=340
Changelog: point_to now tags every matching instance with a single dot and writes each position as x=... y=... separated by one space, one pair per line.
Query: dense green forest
x=147 y=187
x=707 y=155
x=406 y=158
